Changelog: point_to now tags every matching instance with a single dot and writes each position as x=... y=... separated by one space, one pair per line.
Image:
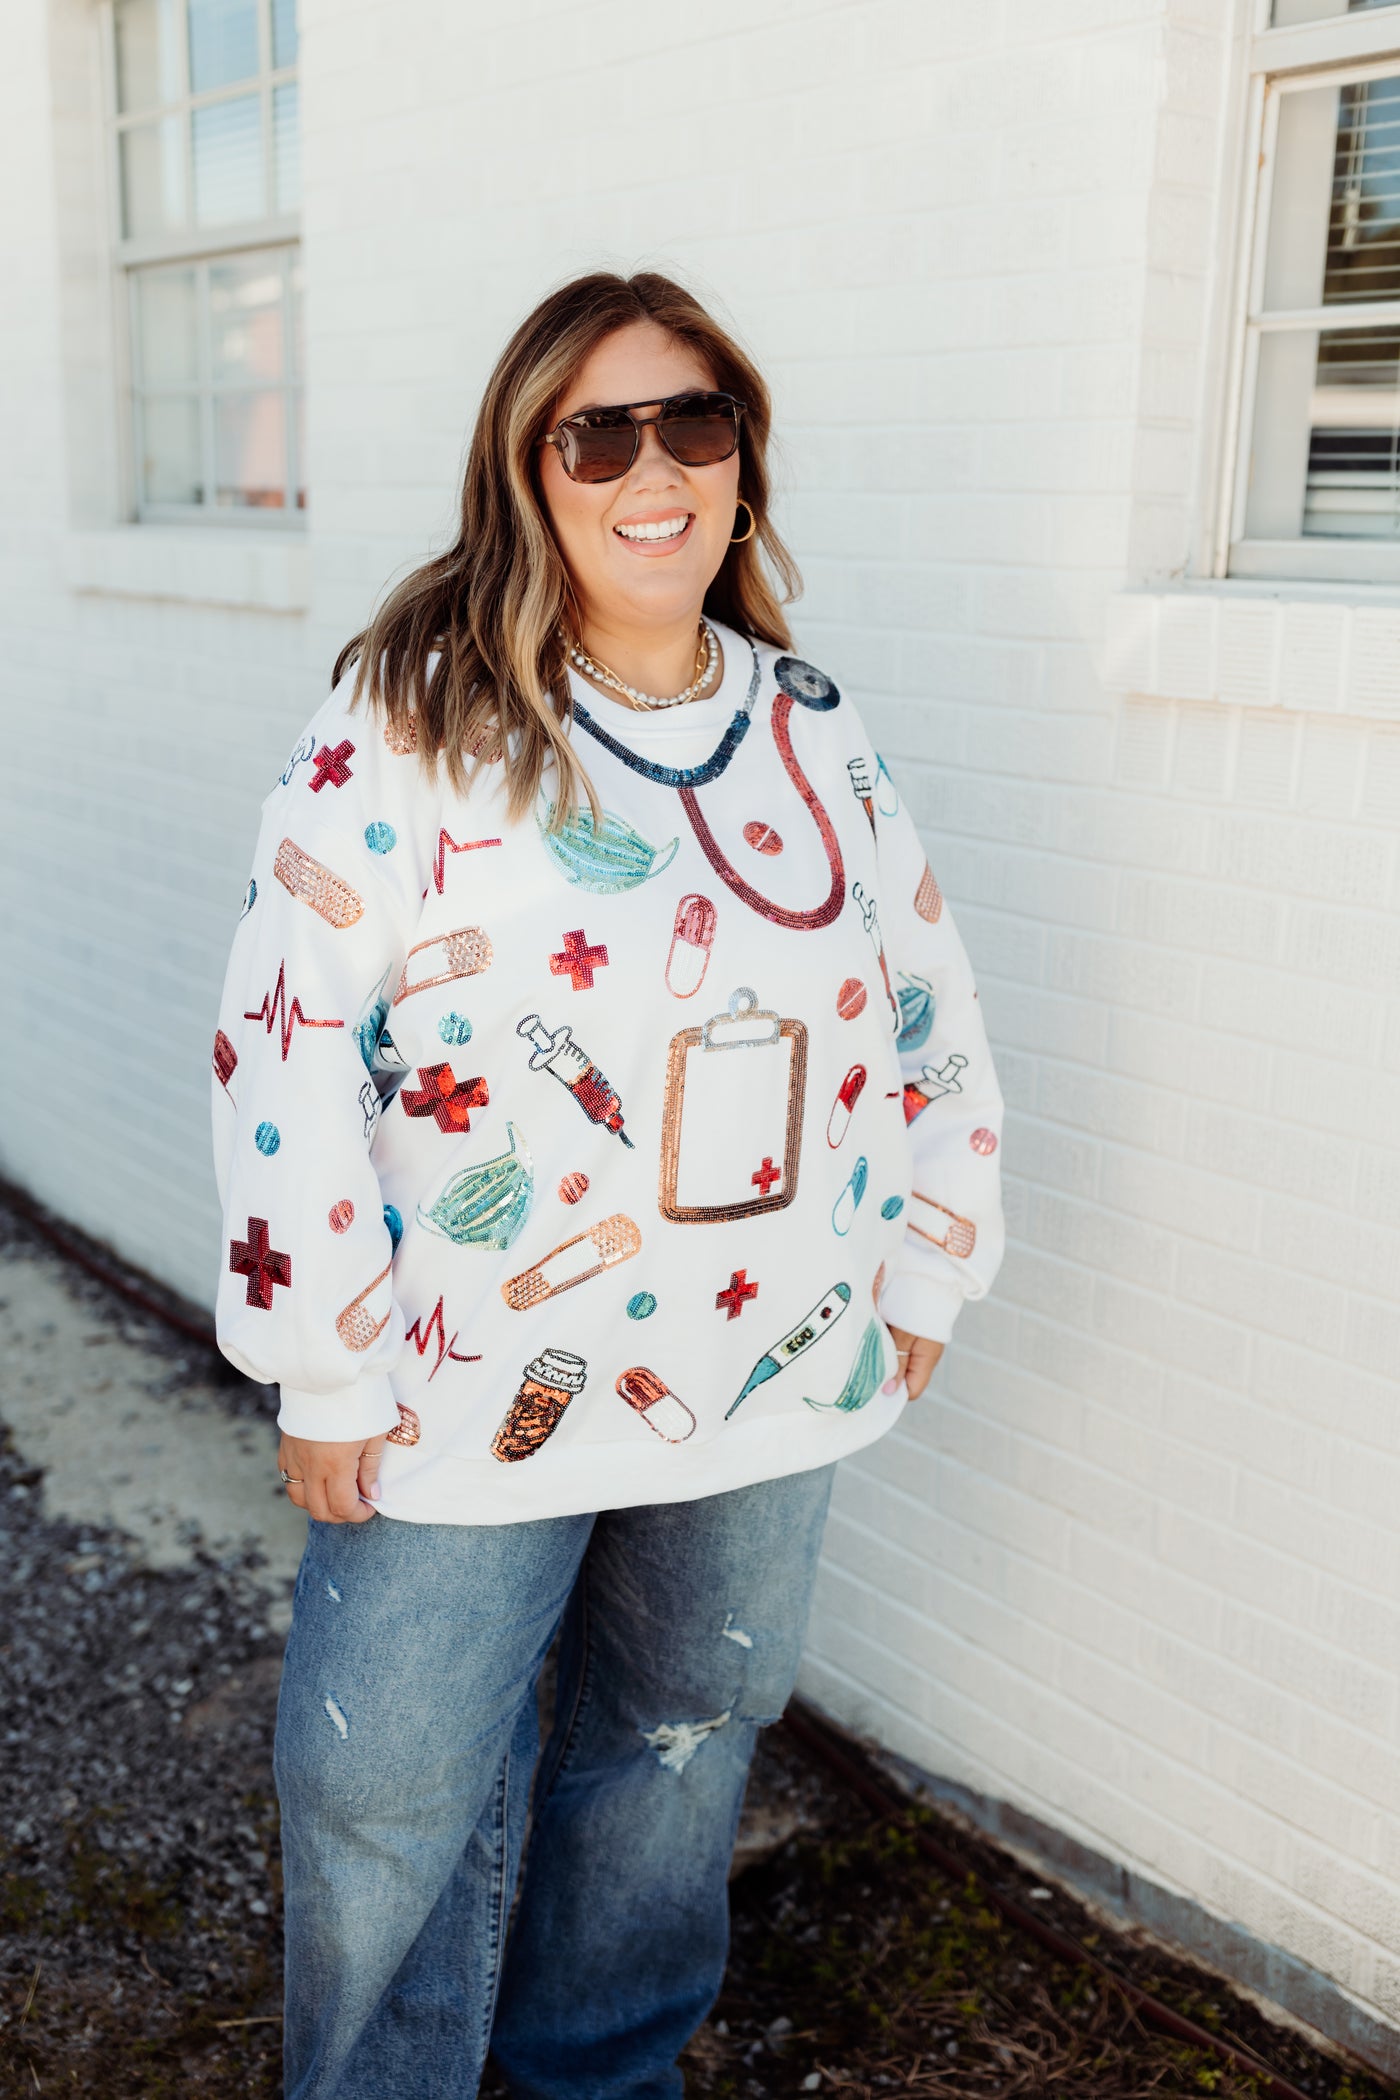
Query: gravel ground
x=140 y=1945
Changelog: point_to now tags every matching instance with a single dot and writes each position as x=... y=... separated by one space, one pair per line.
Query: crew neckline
x=644 y=725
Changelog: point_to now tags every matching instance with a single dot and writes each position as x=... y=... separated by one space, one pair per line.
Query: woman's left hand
x=917 y=1357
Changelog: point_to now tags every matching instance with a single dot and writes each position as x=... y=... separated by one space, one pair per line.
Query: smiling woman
x=588 y=1244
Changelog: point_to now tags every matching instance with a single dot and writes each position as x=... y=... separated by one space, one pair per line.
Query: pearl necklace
x=706 y=655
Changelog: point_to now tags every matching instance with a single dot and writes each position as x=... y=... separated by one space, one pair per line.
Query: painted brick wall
x=1131 y=1565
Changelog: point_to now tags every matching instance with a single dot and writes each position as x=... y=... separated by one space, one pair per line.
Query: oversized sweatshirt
x=594 y=1165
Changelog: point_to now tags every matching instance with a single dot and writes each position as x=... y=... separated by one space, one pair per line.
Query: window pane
x=245 y=309
x=250 y=451
x=1334 y=215
x=284 y=32
x=1353 y=487
x=170 y=470
x=299 y=432
x=1363 y=243
x=286 y=147
x=296 y=276
x=228 y=170
x=1286 y=12
x=223 y=42
x=152 y=177
x=148 y=53
x=167 y=328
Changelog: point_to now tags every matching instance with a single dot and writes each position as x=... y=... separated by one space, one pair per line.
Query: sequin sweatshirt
x=593 y=1166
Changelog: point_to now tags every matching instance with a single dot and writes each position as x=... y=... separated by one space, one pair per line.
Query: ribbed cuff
x=921 y=1305
x=365 y=1408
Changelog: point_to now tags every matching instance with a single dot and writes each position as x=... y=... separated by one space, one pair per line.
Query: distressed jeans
x=406 y=1743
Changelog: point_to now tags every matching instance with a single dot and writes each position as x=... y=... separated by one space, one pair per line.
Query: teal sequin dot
x=381 y=838
x=455 y=1028
x=891 y=1207
x=267 y=1137
x=395 y=1224
x=641 y=1306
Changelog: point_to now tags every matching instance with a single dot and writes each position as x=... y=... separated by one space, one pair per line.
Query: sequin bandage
x=328 y=894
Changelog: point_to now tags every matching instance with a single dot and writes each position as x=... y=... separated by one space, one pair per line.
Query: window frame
x=1332 y=52
x=278 y=234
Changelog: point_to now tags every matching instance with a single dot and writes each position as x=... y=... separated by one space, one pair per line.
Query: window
x=205 y=140
x=1315 y=488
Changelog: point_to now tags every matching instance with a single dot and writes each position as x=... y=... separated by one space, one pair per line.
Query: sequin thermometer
x=819 y=1321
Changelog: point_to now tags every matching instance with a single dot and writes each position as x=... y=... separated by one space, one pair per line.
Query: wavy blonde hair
x=498 y=606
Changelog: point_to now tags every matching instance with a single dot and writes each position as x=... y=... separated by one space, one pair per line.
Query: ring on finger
x=289 y=1479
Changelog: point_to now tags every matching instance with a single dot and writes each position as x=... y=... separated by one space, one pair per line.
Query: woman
x=603 y=1116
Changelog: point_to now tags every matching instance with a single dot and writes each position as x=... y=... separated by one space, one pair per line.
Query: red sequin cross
x=448 y=1100
x=578 y=960
x=260 y=1263
x=330 y=764
x=766 y=1175
x=739 y=1290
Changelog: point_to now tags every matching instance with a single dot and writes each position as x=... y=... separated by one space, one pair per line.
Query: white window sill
x=1319 y=648
x=266 y=571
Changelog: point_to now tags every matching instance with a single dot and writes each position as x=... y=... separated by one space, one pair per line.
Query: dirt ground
x=146 y=1559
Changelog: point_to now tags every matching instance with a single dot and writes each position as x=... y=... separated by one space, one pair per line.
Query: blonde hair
x=498 y=607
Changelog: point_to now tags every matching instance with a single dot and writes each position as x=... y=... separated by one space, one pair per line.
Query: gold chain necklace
x=706 y=656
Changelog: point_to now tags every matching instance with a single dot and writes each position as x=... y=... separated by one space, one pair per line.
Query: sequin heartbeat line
x=447 y=844
x=275 y=1007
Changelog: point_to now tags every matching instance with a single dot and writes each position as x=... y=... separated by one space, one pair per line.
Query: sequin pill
x=393 y=1219
x=844 y=1209
x=692 y=934
x=381 y=838
x=267 y=1137
x=656 y=1404
x=850 y=1000
x=763 y=838
x=891 y=1207
x=342 y=1215
x=572 y=1186
x=983 y=1141
x=849 y=1092
x=455 y=1028
x=641 y=1305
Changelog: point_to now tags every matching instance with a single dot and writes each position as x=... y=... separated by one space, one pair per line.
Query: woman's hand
x=335 y=1483
x=917 y=1357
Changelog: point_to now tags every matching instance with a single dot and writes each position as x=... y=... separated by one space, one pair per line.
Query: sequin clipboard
x=731 y=1125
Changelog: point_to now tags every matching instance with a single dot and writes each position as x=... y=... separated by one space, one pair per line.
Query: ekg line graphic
x=275 y=1006
x=447 y=844
x=420 y=1336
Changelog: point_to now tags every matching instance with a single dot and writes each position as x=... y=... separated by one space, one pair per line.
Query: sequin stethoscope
x=797 y=681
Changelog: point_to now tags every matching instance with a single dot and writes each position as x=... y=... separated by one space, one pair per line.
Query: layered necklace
x=706 y=657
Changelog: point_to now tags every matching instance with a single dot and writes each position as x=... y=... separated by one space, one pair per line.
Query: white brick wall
x=1131 y=1565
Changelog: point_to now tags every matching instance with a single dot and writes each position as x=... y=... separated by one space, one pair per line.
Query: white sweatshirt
x=593 y=1167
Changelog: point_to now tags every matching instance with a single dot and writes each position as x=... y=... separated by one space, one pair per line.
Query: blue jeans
x=406 y=1743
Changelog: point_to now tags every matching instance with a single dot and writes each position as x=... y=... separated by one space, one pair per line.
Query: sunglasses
x=600 y=444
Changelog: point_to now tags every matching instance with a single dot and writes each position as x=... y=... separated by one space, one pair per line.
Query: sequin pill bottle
x=656 y=1404
x=551 y=1379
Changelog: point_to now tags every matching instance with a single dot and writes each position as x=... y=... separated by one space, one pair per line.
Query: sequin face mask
x=486 y=1204
x=606 y=861
x=867 y=1372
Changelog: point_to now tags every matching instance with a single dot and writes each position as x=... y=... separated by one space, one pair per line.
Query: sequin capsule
x=850 y=1000
x=572 y=1187
x=641 y=1306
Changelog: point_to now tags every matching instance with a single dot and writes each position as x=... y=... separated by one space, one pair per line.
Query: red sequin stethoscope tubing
x=780 y=914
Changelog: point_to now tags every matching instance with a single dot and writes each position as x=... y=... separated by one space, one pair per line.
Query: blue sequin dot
x=381 y=838
x=267 y=1137
x=641 y=1306
x=455 y=1028
x=394 y=1222
x=891 y=1207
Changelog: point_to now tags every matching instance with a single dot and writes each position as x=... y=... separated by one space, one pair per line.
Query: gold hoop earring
x=738 y=539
